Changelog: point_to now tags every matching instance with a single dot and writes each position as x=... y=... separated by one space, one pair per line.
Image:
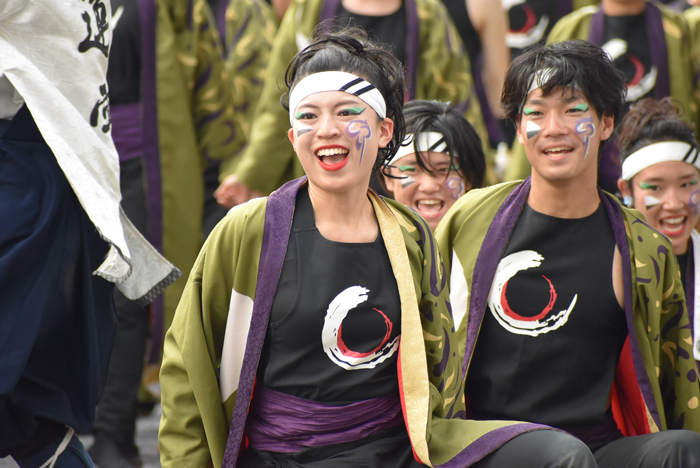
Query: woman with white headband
x=660 y=174
x=440 y=160
x=315 y=329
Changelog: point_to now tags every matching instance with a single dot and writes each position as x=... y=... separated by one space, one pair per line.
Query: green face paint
x=528 y=111
x=694 y=182
x=645 y=185
x=582 y=107
x=299 y=115
x=355 y=110
x=454 y=168
x=406 y=168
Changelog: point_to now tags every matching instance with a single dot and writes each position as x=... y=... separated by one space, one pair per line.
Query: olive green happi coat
x=443 y=73
x=656 y=386
x=188 y=116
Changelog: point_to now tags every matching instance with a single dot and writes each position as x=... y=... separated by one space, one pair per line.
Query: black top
x=552 y=334
x=314 y=350
x=460 y=17
x=389 y=29
x=528 y=17
x=124 y=71
x=635 y=59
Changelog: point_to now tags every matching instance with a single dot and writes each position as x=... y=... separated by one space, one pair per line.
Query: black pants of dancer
x=552 y=449
x=118 y=409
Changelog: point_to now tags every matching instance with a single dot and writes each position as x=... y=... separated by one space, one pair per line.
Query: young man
x=568 y=307
x=650 y=44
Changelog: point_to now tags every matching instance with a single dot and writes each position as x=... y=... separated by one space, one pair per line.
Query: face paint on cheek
x=456 y=186
x=301 y=128
x=532 y=129
x=361 y=131
x=408 y=181
x=585 y=128
x=694 y=202
x=651 y=202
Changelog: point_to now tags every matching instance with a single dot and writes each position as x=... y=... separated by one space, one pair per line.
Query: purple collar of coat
x=279 y=211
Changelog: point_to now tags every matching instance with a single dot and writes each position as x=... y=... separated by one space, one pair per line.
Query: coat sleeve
x=250 y=32
x=667 y=333
x=212 y=96
x=268 y=159
x=195 y=423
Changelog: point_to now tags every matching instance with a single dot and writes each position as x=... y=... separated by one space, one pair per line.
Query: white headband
x=336 y=81
x=657 y=153
x=426 y=141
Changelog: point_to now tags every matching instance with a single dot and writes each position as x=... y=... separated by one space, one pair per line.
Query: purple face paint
x=586 y=128
x=456 y=186
x=694 y=202
x=360 y=130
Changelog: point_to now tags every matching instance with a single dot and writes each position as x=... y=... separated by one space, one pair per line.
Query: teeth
x=560 y=148
x=674 y=220
x=331 y=151
x=429 y=202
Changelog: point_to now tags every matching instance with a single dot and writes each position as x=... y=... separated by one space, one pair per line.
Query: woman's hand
x=231 y=192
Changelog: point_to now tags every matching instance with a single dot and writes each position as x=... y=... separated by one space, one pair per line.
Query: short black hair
x=463 y=143
x=350 y=50
x=575 y=64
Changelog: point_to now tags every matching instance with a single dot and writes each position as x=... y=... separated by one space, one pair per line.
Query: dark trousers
x=118 y=409
x=552 y=449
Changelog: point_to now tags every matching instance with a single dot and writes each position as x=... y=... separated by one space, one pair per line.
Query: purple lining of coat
x=489 y=443
x=657 y=44
x=151 y=153
x=490 y=254
x=284 y=423
x=330 y=9
x=220 y=18
x=127 y=130
x=278 y=223
x=689 y=287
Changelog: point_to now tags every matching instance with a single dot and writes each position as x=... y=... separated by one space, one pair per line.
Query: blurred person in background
x=64 y=241
x=172 y=110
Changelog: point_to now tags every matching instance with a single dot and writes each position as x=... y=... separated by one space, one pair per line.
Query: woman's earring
x=627 y=200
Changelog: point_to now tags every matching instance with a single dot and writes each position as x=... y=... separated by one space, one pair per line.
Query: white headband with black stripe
x=657 y=153
x=336 y=81
x=426 y=141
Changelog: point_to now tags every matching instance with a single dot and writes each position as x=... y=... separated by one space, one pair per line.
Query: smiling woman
x=316 y=322
x=660 y=174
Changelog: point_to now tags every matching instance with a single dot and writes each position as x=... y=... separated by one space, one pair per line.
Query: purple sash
x=284 y=423
x=127 y=131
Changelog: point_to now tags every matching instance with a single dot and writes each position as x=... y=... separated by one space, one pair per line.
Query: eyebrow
x=342 y=103
x=540 y=101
